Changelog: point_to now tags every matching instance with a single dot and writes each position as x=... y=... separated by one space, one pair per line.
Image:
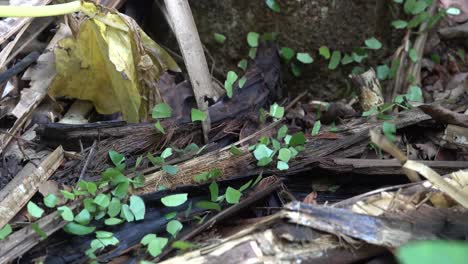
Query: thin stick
x=90 y=154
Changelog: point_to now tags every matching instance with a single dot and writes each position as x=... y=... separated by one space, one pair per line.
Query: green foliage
x=210 y=175
x=51 y=200
x=170 y=169
x=297 y=139
x=242 y=64
x=232 y=195
x=137 y=207
x=154 y=244
x=5 y=231
x=453 y=11
x=413 y=55
x=66 y=213
x=83 y=218
x=159 y=127
x=207 y=205
x=389 y=131
x=182 y=245
x=287 y=53
x=273 y=5
x=173 y=227
x=316 y=128
x=77 y=229
x=34 y=210
x=304 y=57
x=373 y=44
x=276 y=111
x=433 y=252
x=220 y=38
x=161 y=110
x=174 y=200
x=112 y=221
x=252 y=39
x=197 y=115
x=38 y=230
x=334 y=60
x=214 y=191
x=230 y=80
x=324 y=52
x=235 y=151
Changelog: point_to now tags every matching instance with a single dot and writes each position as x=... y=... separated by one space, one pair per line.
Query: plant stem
x=40 y=11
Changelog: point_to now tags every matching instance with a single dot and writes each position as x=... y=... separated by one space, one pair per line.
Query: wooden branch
x=194 y=57
x=315 y=150
x=370 y=92
x=25 y=184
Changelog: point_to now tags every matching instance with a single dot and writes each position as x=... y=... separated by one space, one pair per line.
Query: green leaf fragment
x=34 y=210
x=373 y=43
x=252 y=39
x=316 y=128
x=276 y=111
x=173 y=227
x=334 y=60
x=281 y=165
x=66 y=213
x=208 y=205
x=5 y=231
x=304 y=57
x=287 y=53
x=51 y=200
x=137 y=206
x=220 y=38
x=77 y=229
x=174 y=199
x=273 y=5
x=170 y=169
x=161 y=110
x=324 y=52
x=197 y=115
x=232 y=195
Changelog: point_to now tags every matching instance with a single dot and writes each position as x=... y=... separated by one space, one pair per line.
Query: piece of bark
x=385 y=167
x=459 y=31
x=444 y=115
x=25 y=184
x=351 y=142
x=369 y=90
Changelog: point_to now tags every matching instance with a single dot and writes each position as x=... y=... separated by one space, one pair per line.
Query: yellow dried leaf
x=112 y=63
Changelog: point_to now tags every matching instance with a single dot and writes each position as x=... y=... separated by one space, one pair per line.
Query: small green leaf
x=304 y=57
x=316 y=128
x=159 y=127
x=276 y=111
x=214 y=191
x=334 y=60
x=284 y=154
x=91 y=187
x=382 y=72
x=252 y=53
x=262 y=151
x=77 y=229
x=174 y=200
x=296 y=71
x=170 y=215
x=173 y=227
x=126 y=213
x=208 y=205
x=252 y=39
x=51 y=200
x=433 y=252
x=182 y=245
x=243 y=64
x=242 y=82
x=264 y=161
x=147 y=239
x=102 y=200
x=114 y=207
x=453 y=11
x=273 y=5
x=399 y=24
x=414 y=94
x=245 y=186
x=34 y=210
x=287 y=53
x=281 y=165
x=112 y=221
x=347 y=59
x=282 y=132
x=324 y=52
x=68 y=195
x=38 y=230
x=156 y=246
x=166 y=153
x=236 y=151
x=413 y=54
x=161 y=110
x=66 y=213
x=5 y=231
x=170 y=169
x=373 y=43
x=220 y=38
x=232 y=195
x=117 y=159
x=231 y=78
x=389 y=131
x=121 y=189
x=137 y=206
x=197 y=115
x=297 y=139
x=83 y=218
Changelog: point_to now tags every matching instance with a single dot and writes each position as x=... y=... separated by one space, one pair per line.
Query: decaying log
x=25 y=184
x=385 y=167
x=351 y=143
